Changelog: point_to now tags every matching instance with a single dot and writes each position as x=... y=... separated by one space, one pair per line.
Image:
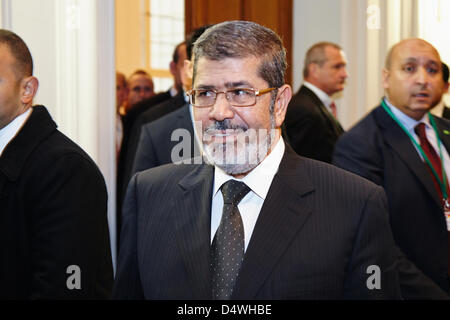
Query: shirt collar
x=325 y=98
x=260 y=178
x=173 y=91
x=408 y=122
x=9 y=132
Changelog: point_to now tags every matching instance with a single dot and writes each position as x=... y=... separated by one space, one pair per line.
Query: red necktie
x=436 y=162
x=333 y=109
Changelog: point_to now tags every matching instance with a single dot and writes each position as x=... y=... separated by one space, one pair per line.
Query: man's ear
x=173 y=68
x=312 y=69
x=189 y=68
x=29 y=87
x=385 y=78
x=284 y=95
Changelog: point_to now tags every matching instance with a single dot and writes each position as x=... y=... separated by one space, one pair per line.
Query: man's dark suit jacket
x=127 y=122
x=149 y=116
x=378 y=149
x=318 y=231
x=156 y=146
x=53 y=215
x=311 y=129
x=130 y=144
x=446 y=113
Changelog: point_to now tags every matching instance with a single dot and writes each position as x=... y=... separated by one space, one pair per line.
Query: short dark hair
x=445 y=72
x=241 y=39
x=24 y=62
x=192 y=37
x=141 y=72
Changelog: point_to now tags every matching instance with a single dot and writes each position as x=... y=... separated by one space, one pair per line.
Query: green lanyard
x=442 y=184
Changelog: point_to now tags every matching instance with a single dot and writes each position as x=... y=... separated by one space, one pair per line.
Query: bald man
x=402 y=148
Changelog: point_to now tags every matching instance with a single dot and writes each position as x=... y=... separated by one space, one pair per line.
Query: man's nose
x=344 y=73
x=221 y=109
x=422 y=76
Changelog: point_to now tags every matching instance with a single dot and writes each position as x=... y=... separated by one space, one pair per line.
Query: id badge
x=447 y=213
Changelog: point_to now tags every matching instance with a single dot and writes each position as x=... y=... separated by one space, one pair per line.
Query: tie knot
x=420 y=130
x=233 y=191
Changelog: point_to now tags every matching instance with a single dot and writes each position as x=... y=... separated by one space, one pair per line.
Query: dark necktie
x=227 y=250
x=333 y=109
x=436 y=162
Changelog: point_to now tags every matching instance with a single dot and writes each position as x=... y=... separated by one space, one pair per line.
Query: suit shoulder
x=329 y=175
x=362 y=130
x=167 y=173
x=58 y=147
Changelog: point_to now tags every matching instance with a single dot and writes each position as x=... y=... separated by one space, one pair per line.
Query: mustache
x=223 y=126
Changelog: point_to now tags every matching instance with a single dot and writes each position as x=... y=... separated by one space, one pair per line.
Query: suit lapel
x=193 y=228
x=283 y=214
x=404 y=148
x=444 y=132
x=332 y=121
x=184 y=121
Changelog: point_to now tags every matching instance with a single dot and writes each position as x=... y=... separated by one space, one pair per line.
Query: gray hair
x=241 y=39
x=316 y=54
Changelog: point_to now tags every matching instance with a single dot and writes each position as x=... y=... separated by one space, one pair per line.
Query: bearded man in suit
x=256 y=221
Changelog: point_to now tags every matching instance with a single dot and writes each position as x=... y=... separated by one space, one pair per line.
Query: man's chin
x=233 y=163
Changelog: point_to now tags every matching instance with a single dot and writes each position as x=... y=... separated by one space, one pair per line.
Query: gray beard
x=243 y=155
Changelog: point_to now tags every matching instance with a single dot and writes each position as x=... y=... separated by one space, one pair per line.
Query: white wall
x=313 y=21
x=365 y=29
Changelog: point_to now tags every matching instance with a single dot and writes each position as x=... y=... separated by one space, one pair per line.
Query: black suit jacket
x=149 y=116
x=311 y=129
x=156 y=145
x=318 y=231
x=377 y=149
x=446 y=113
x=53 y=215
x=130 y=144
x=123 y=166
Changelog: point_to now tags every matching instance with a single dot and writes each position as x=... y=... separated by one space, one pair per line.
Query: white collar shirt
x=258 y=180
x=325 y=98
x=10 y=131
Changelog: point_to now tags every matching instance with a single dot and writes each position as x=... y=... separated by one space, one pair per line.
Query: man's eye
x=241 y=92
x=409 y=68
x=204 y=93
x=432 y=70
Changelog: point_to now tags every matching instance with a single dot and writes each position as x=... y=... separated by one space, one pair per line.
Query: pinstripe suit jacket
x=318 y=231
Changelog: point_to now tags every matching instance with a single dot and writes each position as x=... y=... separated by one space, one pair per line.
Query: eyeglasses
x=238 y=97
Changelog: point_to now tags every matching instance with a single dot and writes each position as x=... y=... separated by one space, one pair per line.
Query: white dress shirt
x=9 y=132
x=258 y=180
x=325 y=98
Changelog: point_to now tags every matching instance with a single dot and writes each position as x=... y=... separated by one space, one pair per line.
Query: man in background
x=159 y=104
x=121 y=97
x=54 y=239
x=140 y=88
x=402 y=148
x=441 y=110
x=311 y=122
